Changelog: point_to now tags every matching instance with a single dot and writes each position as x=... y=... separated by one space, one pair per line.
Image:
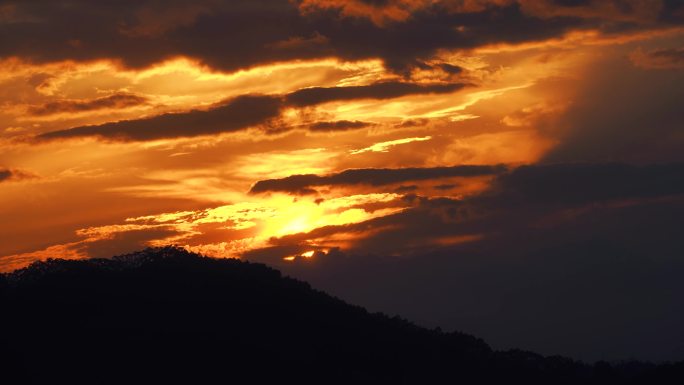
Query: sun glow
x=303 y=215
x=305 y=255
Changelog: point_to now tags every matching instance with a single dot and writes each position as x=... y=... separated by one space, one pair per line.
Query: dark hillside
x=168 y=316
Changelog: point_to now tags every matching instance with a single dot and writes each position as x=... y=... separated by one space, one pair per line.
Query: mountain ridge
x=168 y=315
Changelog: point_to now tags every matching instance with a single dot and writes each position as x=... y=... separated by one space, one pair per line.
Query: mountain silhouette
x=165 y=315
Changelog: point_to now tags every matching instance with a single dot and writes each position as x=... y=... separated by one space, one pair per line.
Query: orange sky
x=80 y=192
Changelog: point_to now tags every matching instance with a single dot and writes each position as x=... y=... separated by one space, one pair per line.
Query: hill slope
x=168 y=316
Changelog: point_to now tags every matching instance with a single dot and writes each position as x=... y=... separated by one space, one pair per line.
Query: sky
x=507 y=168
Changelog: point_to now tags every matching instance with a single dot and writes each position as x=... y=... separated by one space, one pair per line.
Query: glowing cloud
x=385 y=146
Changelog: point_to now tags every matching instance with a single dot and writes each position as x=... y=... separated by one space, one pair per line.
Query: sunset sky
x=510 y=168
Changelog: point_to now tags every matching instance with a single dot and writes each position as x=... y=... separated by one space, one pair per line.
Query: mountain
x=165 y=315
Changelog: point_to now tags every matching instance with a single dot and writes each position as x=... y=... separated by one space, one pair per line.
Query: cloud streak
x=302 y=184
x=115 y=101
x=379 y=91
x=236 y=114
x=667 y=58
x=572 y=184
x=384 y=146
x=338 y=125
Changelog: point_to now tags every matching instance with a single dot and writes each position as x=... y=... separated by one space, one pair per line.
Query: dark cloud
x=667 y=58
x=675 y=54
x=7 y=174
x=450 y=68
x=445 y=187
x=572 y=3
x=370 y=176
x=385 y=90
x=406 y=189
x=572 y=184
x=404 y=44
x=623 y=114
x=338 y=125
x=263 y=31
x=672 y=11
x=236 y=114
x=413 y=123
x=521 y=200
x=118 y=100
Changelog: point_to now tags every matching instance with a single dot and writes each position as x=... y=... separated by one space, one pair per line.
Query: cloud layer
x=385 y=90
x=235 y=114
x=301 y=184
x=118 y=100
x=402 y=33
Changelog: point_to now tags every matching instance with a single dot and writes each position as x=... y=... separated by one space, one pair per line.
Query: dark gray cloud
x=623 y=114
x=583 y=183
x=572 y=3
x=338 y=125
x=7 y=174
x=672 y=11
x=406 y=189
x=236 y=114
x=385 y=90
x=444 y=187
x=450 y=68
x=665 y=58
x=118 y=100
x=243 y=33
x=674 y=54
x=299 y=184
